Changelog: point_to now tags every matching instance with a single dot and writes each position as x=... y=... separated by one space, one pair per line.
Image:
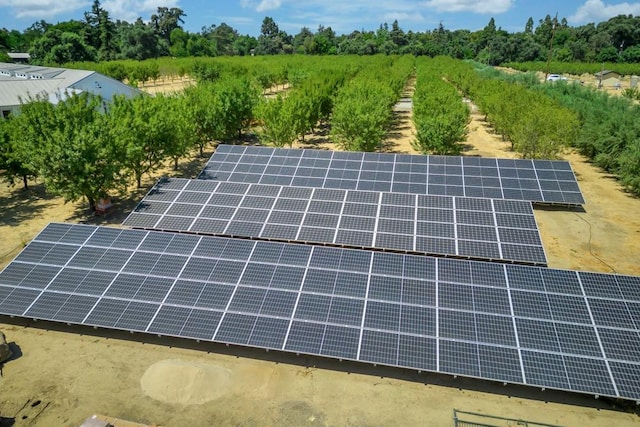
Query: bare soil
x=61 y=375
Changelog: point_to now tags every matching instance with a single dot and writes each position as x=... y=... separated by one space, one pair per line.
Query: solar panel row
x=519 y=324
x=443 y=225
x=532 y=180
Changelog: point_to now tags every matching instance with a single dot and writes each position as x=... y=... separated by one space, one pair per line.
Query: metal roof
x=19 y=55
x=22 y=81
x=15 y=92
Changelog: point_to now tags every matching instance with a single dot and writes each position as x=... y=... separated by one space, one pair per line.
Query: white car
x=555 y=77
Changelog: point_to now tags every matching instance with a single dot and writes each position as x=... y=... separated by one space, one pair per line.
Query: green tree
x=236 y=97
x=56 y=47
x=361 y=114
x=608 y=54
x=439 y=114
x=201 y=46
x=102 y=32
x=75 y=155
x=12 y=40
x=203 y=112
x=142 y=127
x=632 y=54
x=303 y=41
x=277 y=122
x=543 y=131
x=165 y=20
x=528 y=28
x=184 y=139
x=245 y=45
x=270 y=41
x=16 y=153
x=224 y=37
x=179 y=39
x=629 y=168
x=139 y=41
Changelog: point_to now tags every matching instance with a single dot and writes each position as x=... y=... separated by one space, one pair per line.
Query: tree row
x=97 y=37
x=439 y=114
x=536 y=125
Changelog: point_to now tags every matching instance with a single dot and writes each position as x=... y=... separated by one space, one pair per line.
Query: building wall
x=6 y=110
x=106 y=87
x=610 y=81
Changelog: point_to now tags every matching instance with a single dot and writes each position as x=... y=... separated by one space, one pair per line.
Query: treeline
x=97 y=37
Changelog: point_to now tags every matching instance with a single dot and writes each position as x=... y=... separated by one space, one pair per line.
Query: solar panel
x=437 y=225
x=500 y=322
x=543 y=181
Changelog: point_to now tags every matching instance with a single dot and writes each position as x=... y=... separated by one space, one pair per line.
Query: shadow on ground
x=20 y=204
x=348 y=367
x=398 y=129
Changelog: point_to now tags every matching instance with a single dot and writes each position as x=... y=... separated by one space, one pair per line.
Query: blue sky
x=343 y=16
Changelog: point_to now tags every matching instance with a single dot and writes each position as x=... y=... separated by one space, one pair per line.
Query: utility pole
x=553 y=35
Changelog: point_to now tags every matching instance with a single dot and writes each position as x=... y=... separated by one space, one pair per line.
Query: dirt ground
x=62 y=375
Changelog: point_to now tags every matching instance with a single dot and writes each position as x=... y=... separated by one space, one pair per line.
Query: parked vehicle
x=555 y=77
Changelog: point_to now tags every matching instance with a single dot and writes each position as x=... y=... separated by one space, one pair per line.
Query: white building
x=21 y=82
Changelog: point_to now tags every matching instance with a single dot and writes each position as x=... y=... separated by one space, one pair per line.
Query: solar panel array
x=518 y=324
x=532 y=180
x=451 y=226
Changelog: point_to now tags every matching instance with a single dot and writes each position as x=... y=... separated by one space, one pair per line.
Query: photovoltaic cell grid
x=548 y=328
x=474 y=228
x=515 y=179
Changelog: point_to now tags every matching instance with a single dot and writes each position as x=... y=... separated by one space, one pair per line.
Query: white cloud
x=345 y=16
x=597 y=11
x=130 y=10
x=473 y=6
x=44 y=9
x=268 y=5
x=236 y=19
x=403 y=17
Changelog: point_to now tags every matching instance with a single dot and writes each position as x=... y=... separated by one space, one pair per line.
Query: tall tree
x=203 y=112
x=224 y=36
x=166 y=20
x=528 y=28
x=397 y=35
x=303 y=40
x=269 y=41
x=237 y=97
x=102 y=31
x=324 y=41
x=139 y=41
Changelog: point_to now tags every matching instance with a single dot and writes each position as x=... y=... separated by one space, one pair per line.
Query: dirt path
x=403 y=130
